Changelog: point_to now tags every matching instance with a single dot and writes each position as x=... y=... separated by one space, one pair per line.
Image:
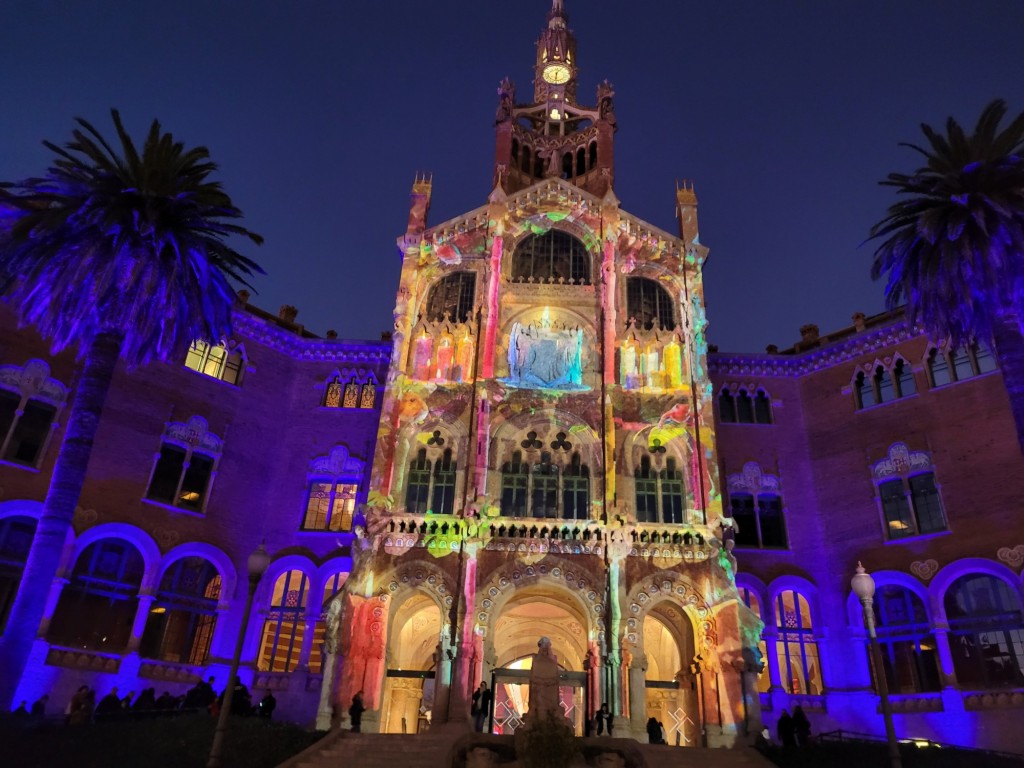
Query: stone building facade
x=544 y=446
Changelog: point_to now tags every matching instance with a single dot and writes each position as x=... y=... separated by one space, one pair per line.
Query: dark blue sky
x=784 y=113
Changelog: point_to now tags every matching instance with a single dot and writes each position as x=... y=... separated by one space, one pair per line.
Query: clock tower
x=554 y=136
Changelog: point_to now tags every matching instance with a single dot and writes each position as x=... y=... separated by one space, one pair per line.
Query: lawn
x=167 y=742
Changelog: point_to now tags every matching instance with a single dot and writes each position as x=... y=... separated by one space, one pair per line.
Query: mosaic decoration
x=924 y=569
x=1012 y=557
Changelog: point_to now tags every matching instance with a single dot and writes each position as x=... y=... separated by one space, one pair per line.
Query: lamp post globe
x=863 y=587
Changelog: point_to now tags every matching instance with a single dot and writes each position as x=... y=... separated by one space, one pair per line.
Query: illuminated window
x=332 y=394
x=215 y=361
x=350 y=398
x=908 y=647
x=181 y=477
x=796 y=648
x=334 y=583
x=951 y=365
x=97 y=607
x=986 y=628
x=368 y=396
x=15 y=541
x=909 y=498
x=330 y=506
x=648 y=305
x=451 y=298
x=759 y=519
x=554 y=257
x=181 y=620
x=753 y=602
x=285 y=625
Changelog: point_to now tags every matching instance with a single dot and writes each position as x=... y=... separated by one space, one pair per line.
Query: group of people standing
x=794 y=730
x=83 y=707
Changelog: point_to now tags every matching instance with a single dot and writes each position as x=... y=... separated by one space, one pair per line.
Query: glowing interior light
x=555 y=115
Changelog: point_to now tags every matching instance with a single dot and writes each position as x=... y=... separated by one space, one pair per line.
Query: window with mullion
x=743 y=512
x=771 y=522
x=673 y=495
x=285 y=626
x=417 y=489
x=898 y=518
x=180 y=625
x=443 y=497
x=515 y=482
x=909 y=653
x=544 y=493
x=986 y=632
x=330 y=506
x=30 y=432
x=576 y=491
x=927 y=503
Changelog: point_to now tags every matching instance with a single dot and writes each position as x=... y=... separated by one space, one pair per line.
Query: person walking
x=266 y=706
x=355 y=712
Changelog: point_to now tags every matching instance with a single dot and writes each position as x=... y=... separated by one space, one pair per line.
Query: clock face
x=556 y=74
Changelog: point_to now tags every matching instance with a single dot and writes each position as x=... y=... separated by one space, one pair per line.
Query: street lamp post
x=864 y=587
x=257 y=564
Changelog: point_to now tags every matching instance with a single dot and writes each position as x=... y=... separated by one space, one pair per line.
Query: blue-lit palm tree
x=953 y=247
x=124 y=256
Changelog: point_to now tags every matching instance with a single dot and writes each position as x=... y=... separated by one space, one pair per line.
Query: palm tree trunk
x=58 y=510
x=1009 y=351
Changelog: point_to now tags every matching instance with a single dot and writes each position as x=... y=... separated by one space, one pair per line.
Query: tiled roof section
x=880 y=331
x=309 y=347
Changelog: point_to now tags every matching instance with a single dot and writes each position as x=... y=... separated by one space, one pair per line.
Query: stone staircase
x=343 y=749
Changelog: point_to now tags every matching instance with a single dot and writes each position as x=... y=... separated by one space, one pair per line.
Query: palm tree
x=123 y=256
x=953 y=248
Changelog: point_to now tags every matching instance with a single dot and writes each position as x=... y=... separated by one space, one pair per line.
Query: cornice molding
x=320 y=350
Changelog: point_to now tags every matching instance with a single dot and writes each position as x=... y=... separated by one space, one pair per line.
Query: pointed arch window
x=884 y=384
x=673 y=494
x=544 y=491
x=553 y=257
x=959 y=363
x=727 y=407
x=285 y=625
x=649 y=305
x=986 y=627
x=515 y=482
x=909 y=654
x=182 y=618
x=576 y=490
x=444 y=484
x=744 y=408
x=216 y=361
x=350 y=396
x=417 y=489
x=762 y=408
x=97 y=608
x=368 y=395
x=753 y=601
x=16 y=534
x=332 y=393
x=451 y=298
x=646 y=481
x=796 y=647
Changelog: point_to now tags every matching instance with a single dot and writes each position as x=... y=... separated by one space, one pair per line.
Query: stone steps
x=371 y=750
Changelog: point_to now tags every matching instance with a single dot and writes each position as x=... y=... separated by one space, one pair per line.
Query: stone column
x=139 y=624
x=462 y=678
x=947 y=672
x=638 y=696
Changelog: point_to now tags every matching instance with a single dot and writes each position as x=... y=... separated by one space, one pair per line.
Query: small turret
x=686 y=212
x=419 y=206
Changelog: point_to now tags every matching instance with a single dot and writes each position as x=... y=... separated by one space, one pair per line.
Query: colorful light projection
x=545 y=354
x=650 y=363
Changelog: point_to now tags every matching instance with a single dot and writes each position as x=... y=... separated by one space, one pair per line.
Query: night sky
x=785 y=115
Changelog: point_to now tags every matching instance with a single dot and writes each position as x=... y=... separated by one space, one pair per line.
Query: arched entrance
x=672 y=691
x=529 y=614
x=409 y=683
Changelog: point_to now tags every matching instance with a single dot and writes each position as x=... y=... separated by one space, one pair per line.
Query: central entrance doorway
x=511 y=686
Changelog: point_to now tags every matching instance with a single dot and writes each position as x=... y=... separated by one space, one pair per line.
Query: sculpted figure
x=544 y=682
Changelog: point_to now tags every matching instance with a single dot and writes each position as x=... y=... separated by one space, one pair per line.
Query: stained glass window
x=181 y=620
x=332 y=395
x=796 y=648
x=351 y=397
x=553 y=257
x=216 y=361
x=285 y=625
x=368 y=396
x=335 y=582
x=451 y=298
x=330 y=506
x=649 y=305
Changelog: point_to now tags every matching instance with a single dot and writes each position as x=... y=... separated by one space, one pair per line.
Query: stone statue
x=544 y=674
